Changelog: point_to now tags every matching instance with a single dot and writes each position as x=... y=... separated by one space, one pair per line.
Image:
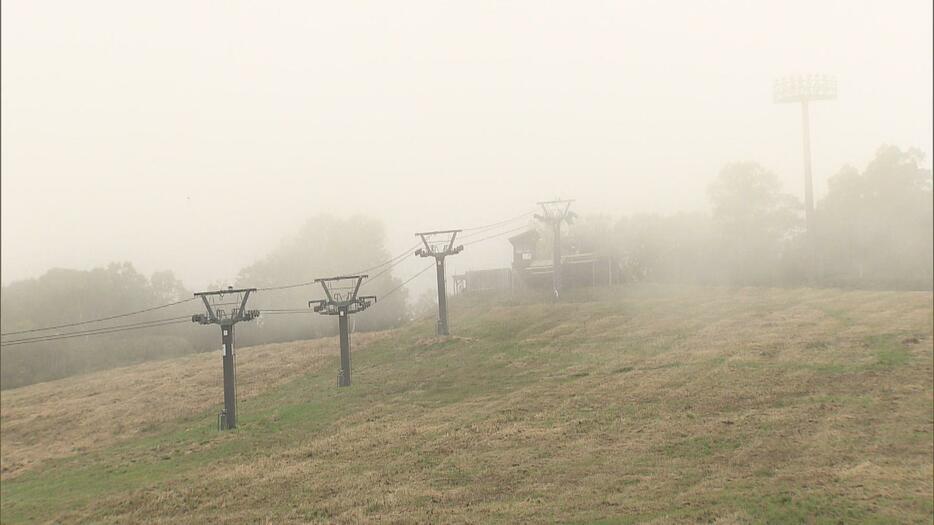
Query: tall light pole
x=804 y=89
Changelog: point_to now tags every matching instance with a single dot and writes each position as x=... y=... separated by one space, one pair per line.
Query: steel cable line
x=381 y=272
x=397 y=288
x=365 y=282
x=290 y=312
x=500 y=234
x=92 y=330
x=117 y=316
x=390 y=292
x=398 y=259
x=425 y=269
x=480 y=229
x=392 y=262
x=284 y=286
x=297 y=310
x=307 y=283
x=499 y=223
x=274 y=311
x=395 y=260
x=99 y=331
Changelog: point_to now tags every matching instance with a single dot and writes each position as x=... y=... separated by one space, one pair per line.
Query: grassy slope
x=660 y=404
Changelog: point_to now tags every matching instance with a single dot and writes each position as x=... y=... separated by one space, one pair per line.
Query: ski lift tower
x=227 y=308
x=342 y=301
x=440 y=244
x=554 y=213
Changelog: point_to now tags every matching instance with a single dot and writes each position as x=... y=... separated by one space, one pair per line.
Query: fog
x=193 y=137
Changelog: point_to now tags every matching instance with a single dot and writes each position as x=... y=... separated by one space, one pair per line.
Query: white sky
x=192 y=136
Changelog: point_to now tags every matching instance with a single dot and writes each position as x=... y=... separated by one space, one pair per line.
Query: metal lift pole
x=230 y=377
x=342 y=301
x=554 y=213
x=227 y=317
x=556 y=258
x=343 y=378
x=439 y=244
x=442 y=298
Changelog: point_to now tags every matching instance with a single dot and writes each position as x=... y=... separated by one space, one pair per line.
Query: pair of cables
x=55 y=333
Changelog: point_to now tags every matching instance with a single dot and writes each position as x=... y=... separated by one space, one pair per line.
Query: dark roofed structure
x=524 y=248
x=532 y=270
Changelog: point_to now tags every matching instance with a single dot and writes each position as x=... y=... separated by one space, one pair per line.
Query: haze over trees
x=874 y=230
x=71 y=296
x=875 y=225
x=323 y=247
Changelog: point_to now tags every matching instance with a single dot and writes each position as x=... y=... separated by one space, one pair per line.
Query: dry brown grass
x=723 y=406
x=89 y=412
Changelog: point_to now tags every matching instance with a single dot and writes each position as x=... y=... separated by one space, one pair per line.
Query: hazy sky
x=192 y=136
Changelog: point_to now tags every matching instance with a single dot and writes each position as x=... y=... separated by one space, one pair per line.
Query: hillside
x=641 y=404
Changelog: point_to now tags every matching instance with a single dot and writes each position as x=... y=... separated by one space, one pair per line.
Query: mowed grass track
x=639 y=404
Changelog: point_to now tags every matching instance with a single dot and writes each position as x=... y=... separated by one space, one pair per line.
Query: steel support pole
x=442 y=298
x=230 y=377
x=344 y=375
x=808 y=182
x=556 y=258
x=811 y=236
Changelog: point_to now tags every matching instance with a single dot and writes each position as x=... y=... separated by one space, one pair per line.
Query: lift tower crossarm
x=242 y=313
x=338 y=301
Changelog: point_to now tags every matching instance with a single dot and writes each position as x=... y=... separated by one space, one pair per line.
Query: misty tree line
x=873 y=230
x=324 y=246
x=66 y=296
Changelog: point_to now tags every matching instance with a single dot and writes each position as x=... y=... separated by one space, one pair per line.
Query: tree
x=592 y=234
x=875 y=227
x=167 y=288
x=325 y=246
x=754 y=220
x=62 y=296
x=656 y=248
x=426 y=305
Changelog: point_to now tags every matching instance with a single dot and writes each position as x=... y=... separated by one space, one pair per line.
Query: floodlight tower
x=804 y=89
x=440 y=244
x=342 y=301
x=554 y=213
x=218 y=314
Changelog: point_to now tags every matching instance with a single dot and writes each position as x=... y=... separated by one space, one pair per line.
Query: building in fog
x=532 y=269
